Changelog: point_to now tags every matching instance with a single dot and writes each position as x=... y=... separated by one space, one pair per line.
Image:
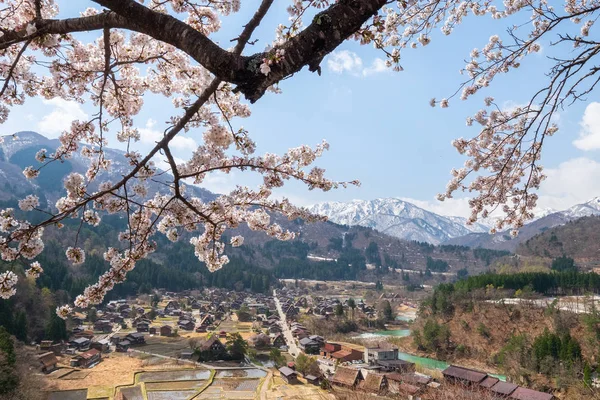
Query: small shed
x=123 y=346
x=503 y=389
x=489 y=382
x=186 y=354
x=313 y=380
x=522 y=393
x=166 y=330
x=463 y=375
x=288 y=375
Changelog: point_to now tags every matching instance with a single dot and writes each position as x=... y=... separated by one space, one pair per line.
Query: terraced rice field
x=133 y=393
x=237 y=385
x=166 y=376
x=181 y=385
x=241 y=373
x=171 y=395
x=68 y=395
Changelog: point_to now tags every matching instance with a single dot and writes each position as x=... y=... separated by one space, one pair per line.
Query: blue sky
x=380 y=126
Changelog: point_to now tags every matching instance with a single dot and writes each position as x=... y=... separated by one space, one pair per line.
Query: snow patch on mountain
x=398 y=218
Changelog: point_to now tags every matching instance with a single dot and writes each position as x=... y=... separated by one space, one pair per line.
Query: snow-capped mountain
x=543 y=221
x=397 y=218
x=18 y=151
x=586 y=209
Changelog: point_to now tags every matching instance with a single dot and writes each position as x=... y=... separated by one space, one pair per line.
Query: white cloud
x=149 y=135
x=376 y=67
x=589 y=136
x=347 y=61
x=573 y=182
x=454 y=207
x=344 y=61
x=220 y=182
x=60 y=118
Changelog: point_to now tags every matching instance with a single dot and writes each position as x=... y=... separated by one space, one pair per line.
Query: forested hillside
x=579 y=239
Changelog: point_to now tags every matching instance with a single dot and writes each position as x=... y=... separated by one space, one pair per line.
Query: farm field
x=137 y=379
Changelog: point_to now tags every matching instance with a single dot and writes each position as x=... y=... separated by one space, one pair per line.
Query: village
x=215 y=344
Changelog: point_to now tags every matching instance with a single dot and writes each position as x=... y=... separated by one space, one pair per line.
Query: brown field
x=181 y=385
x=114 y=370
x=278 y=389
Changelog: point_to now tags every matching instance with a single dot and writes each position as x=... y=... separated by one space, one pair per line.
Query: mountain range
x=323 y=241
x=392 y=217
x=18 y=152
x=504 y=241
x=404 y=220
x=398 y=218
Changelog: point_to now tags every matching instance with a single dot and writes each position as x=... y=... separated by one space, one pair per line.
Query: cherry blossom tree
x=164 y=47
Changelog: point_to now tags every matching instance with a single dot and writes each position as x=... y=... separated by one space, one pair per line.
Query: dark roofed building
x=396 y=365
x=489 y=382
x=166 y=330
x=212 y=344
x=413 y=378
x=309 y=346
x=288 y=375
x=136 y=338
x=87 y=359
x=346 y=377
x=123 y=346
x=503 y=388
x=463 y=375
x=522 y=393
x=279 y=340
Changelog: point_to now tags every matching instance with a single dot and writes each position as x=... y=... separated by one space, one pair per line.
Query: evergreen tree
x=20 y=329
x=352 y=305
x=236 y=346
x=9 y=380
x=385 y=311
x=92 y=314
x=56 y=330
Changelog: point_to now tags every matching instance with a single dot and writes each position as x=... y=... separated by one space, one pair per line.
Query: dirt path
x=265 y=386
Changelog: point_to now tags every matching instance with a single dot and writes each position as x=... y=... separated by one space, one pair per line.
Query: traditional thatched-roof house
x=374 y=383
x=346 y=377
x=48 y=362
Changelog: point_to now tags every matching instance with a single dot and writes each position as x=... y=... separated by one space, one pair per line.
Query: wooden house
x=48 y=362
x=374 y=383
x=87 y=359
x=166 y=330
x=346 y=377
x=288 y=375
